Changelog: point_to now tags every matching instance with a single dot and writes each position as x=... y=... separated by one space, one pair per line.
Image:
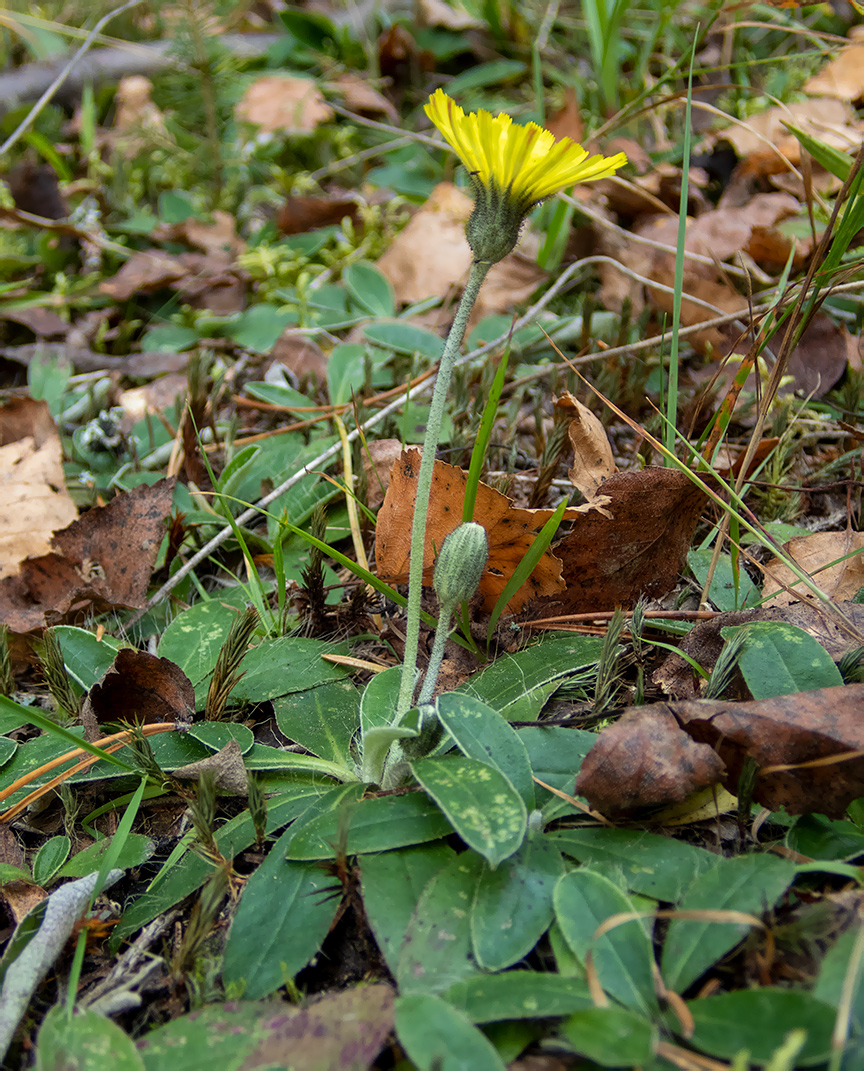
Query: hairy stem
x=424 y=481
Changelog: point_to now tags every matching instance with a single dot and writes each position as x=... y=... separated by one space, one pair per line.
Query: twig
x=85 y=46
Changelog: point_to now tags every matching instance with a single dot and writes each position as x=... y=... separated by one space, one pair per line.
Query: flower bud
x=460 y=564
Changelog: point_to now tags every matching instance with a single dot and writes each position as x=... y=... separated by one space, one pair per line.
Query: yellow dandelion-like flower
x=512 y=168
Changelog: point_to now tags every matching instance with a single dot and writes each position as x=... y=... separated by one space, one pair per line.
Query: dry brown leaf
x=32 y=484
x=227 y=767
x=819 y=359
x=139 y=688
x=42 y=322
x=300 y=214
x=20 y=897
x=438 y=228
x=813 y=552
x=843 y=75
x=284 y=104
x=568 y=122
x=359 y=96
x=379 y=457
x=593 y=462
x=645 y=760
x=300 y=354
x=831 y=121
x=100 y=561
x=219 y=239
x=148 y=270
x=636 y=546
x=510 y=531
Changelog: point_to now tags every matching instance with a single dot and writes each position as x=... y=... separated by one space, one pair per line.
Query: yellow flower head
x=512 y=168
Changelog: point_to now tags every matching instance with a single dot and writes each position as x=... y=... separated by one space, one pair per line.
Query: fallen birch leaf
x=510 y=531
x=102 y=560
x=630 y=766
x=813 y=553
x=283 y=104
x=32 y=484
x=636 y=546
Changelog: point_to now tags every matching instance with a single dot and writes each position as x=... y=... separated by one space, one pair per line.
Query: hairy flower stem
x=479 y=270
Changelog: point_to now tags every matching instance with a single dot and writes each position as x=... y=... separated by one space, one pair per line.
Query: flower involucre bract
x=512 y=168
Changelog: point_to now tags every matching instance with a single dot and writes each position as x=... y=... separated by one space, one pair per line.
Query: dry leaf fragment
x=229 y=772
x=100 y=561
x=284 y=104
x=593 y=462
x=813 y=553
x=438 y=228
x=33 y=487
x=510 y=531
x=831 y=121
x=300 y=214
x=451 y=17
x=359 y=96
x=704 y=642
x=636 y=546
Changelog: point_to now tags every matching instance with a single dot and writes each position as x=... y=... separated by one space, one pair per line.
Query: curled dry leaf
x=814 y=553
x=643 y=761
x=593 y=462
x=100 y=561
x=32 y=485
x=831 y=121
x=636 y=546
x=284 y=104
x=139 y=688
x=510 y=531
x=359 y=96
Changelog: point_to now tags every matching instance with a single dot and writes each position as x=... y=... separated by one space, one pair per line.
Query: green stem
x=445 y=615
x=424 y=482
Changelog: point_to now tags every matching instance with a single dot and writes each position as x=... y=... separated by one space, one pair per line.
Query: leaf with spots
x=436 y=952
x=482 y=806
x=510 y=531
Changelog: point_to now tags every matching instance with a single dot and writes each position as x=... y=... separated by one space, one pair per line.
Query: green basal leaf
x=437 y=1037
x=781 y=659
x=436 y=952
x=623 y=957
x=481 y=733
x=481 y=804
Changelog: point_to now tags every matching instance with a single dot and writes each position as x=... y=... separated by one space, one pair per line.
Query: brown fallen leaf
x=819 y=359
x=300 y=214
x=842 y=76
x=284 y=104
x=100 y=561
x=360 y=97
x=636 y=546
x=593 y=462
x=42 y=322
x=806 y=730
x=138 y=688
x=813 y=553
x=20 y=897
x=32 y=484
x=645 y=760
x=510 y=531
x=831 y=121
x=379 y=456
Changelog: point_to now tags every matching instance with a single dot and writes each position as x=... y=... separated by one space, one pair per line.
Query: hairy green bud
x=460 y=564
